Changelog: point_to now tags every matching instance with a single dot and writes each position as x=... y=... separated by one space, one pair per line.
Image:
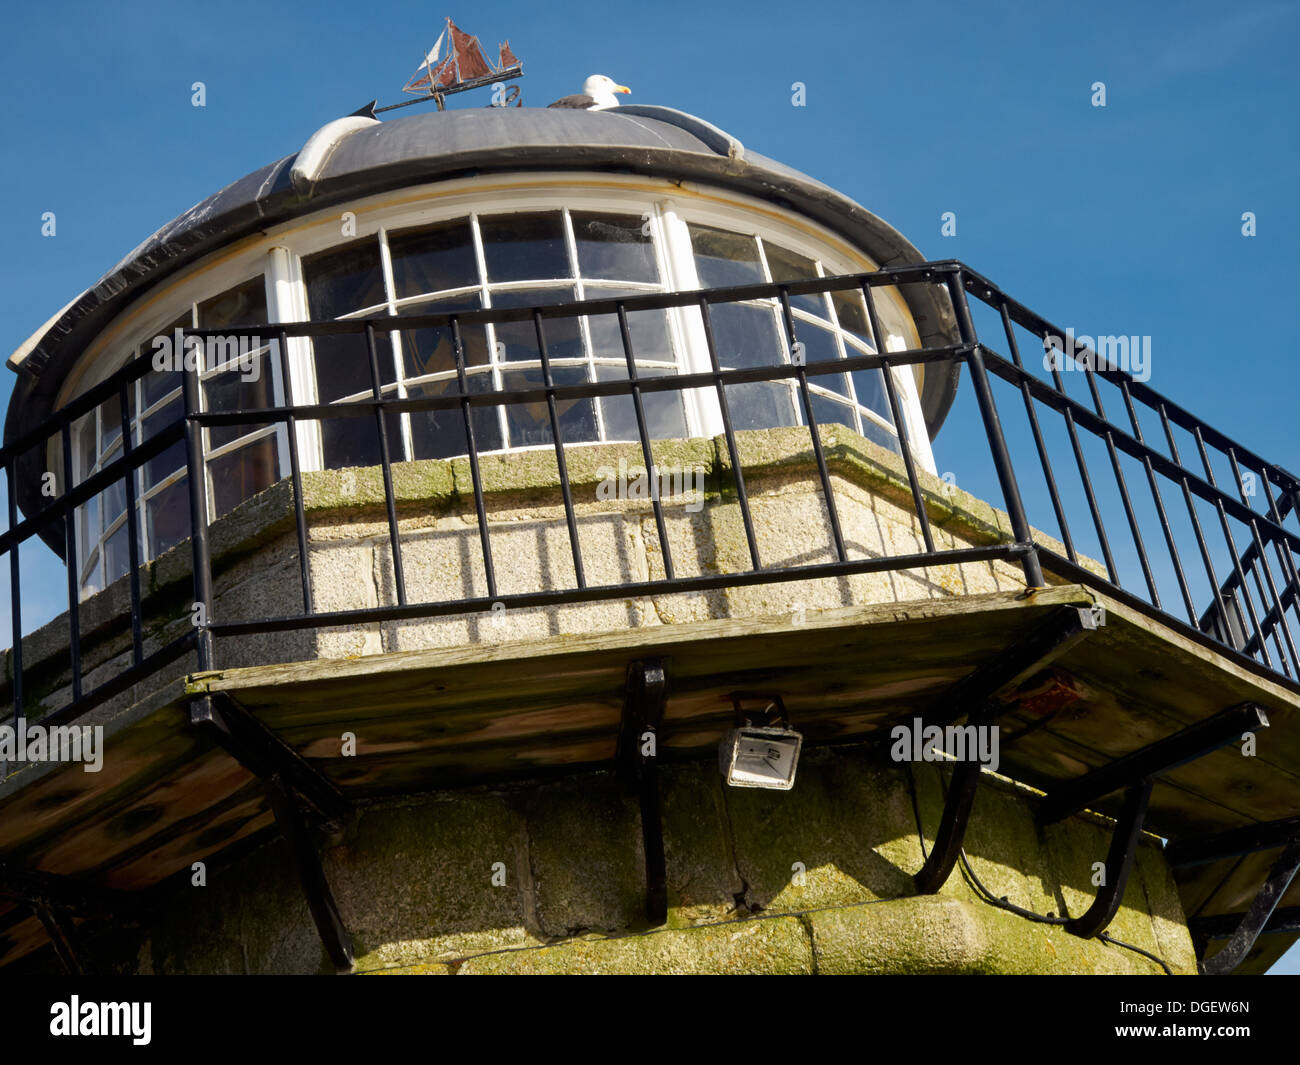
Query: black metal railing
x=1243 y=594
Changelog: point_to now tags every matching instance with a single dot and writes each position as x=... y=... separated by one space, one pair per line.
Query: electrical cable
x=1003 y=902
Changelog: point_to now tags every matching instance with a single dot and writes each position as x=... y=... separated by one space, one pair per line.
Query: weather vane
x=463 y=67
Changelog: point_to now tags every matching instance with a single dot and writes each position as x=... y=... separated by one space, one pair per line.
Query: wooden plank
x=446 y=717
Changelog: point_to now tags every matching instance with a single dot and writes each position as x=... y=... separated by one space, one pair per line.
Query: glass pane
x=92 y=583
x=880 y=436
x=563 y=335
x=613 y=246
x=157 y=385
x=870 y=387
x=232 y=392
x=86 y=446
x=664 y=415
x=723 y=258
x=762 y=405
x=429 y=351
x=818 y=344
x=343 y=280
x=109 y=421
x=117 y=554
x=114 y=495
x=432 y=258
x=243 y=473
x=746 y=336
x=852 y=314
x=530 y=424
x=440 y=434
x=648 y=330
x=828 y=412
x=88 y=529
x=525 y=247
x=171 y=460
x=242 y=305
x=831 y=382
x=355 y=441
x=786 y=265
x=343 y=365
x=113 y=498
x=169 y=517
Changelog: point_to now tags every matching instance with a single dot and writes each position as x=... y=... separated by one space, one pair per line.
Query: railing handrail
x=1266 y=528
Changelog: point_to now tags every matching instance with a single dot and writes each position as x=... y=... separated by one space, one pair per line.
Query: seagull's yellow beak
x=622 y=88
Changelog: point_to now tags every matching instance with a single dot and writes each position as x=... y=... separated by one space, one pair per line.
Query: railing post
x=993 y=427
x=201 y=613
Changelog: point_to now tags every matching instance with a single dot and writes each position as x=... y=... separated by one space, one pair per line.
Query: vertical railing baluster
x=1261 y=563
x=295 y=473
x=70 y=547
x=1085 y=476
x=462 y=379
x=195 y=463
x=729 y=432
x=132 y=529
x=1283 y=549
x=644 y=432
x=1032 y=413
x=801 y=375
x=15 y=582
x=1196 y=528
x=1122 y=484
x=1232 y=549
x=900 y=422
x=561 y=463
x=1183 y=587
x=1020 y=527
x=385 y=459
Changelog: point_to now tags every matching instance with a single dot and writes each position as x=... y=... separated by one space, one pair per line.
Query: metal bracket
x=974 y=697
x=1285 y=921
x=63 y=937
x=263 y=753
x=1195 y=741
x=638 y=761
x=1232 y=843
x=1241 y=930
x=957 y=806
x=1136 y=772
x=320 y=899
x=1119 y=863
x=291 y=783
x=1257 y=917
x=55 y=900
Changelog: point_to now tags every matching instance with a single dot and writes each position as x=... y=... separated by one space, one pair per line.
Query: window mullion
x=286 y=302
x=394 y=347
x=485 y=295
x=703 y=412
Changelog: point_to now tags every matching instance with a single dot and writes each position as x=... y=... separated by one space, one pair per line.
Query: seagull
x=597 y=95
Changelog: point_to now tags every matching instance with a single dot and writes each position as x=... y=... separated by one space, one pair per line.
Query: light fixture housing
x=762 y=753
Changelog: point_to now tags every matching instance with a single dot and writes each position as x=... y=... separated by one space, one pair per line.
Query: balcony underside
x=430 y=719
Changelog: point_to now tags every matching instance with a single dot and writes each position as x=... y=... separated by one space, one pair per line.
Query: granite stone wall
x=548 y=877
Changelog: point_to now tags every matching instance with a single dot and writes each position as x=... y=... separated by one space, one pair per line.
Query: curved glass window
x=241 y=460
x=517 y=259
x=754 y=333
x=498 y=258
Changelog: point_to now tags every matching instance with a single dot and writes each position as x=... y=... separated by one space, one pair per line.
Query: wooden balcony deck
x=430 y=719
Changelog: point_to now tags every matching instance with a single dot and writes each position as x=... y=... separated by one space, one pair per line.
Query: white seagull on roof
x=597 y=94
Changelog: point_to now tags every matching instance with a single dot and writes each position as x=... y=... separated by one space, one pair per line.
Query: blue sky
x=1120 y=220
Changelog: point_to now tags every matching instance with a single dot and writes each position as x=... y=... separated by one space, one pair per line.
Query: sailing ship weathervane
x=464 y=66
